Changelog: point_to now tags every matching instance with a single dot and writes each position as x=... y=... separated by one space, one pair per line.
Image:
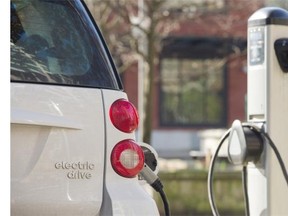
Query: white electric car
x=72 y=128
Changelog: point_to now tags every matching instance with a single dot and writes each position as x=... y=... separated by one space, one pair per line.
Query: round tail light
x=127 y=158
x=124 y=116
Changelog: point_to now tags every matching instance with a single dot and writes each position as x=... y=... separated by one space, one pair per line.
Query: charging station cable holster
x=245 y=144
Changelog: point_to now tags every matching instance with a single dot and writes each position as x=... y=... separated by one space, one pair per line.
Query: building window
x=192 y=92
x=193 y=84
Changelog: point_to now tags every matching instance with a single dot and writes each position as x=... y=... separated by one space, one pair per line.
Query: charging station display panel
x=256 y=91
x=256 y=48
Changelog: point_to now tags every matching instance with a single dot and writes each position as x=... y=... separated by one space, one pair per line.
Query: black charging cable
x=245 y=190
x=211 y=173
x=244 y=171
x=281 y=162
x=155 y=182
x=210 y=179
x=266 y=136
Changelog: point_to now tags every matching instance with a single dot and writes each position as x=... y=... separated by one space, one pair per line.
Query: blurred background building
x=183 y=65
x=200 y=82
x=192 y=67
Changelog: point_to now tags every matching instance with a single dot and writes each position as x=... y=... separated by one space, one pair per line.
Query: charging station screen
x=256 y=46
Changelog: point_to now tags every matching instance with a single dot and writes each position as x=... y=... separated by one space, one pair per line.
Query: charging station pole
x=268 y=105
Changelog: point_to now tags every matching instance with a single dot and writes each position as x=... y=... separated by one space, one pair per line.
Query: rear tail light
x=127 y=158
x=124 y=116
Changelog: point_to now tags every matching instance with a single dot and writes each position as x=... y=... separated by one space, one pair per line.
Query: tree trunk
x=150 y=93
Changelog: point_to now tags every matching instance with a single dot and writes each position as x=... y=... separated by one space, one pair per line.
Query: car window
x=53 y=41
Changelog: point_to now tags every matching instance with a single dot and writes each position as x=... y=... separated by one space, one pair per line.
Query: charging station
x=260 y=145
x=267 y=107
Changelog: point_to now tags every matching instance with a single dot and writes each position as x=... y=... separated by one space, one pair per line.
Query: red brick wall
x=130 y=83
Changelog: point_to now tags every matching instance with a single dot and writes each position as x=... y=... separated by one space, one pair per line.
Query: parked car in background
x=73 y=149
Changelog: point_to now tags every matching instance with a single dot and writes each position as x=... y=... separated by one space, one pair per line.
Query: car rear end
x=73 y=149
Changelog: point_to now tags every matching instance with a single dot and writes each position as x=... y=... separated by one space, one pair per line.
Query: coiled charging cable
x=244 y=173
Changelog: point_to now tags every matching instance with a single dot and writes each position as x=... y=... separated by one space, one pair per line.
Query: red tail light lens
x=127 y=158
x=124 y=116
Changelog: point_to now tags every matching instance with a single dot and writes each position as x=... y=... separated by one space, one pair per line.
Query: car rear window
x=54 y=41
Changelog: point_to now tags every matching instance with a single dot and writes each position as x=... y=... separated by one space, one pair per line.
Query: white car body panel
x=58 y=154
x=127 y=195
x=56 y=125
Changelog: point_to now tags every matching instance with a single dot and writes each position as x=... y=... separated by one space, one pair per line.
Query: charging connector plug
x=151 y=178
x=155 y=182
